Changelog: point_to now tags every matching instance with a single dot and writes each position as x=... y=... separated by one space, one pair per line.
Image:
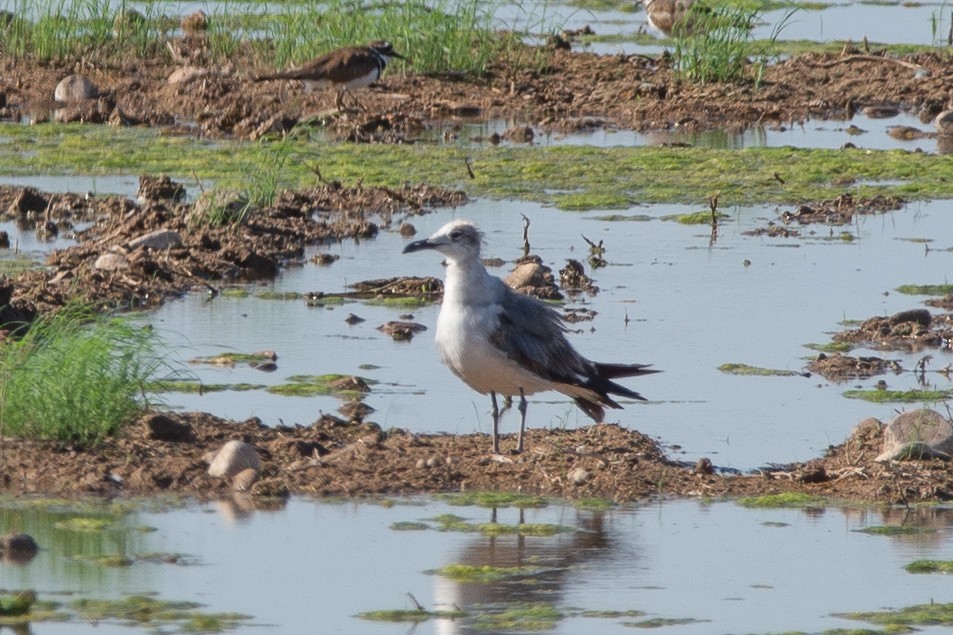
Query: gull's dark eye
x=456 y=234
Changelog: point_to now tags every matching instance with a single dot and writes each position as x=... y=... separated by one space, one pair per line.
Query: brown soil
x=562 y=90
x=567 y=91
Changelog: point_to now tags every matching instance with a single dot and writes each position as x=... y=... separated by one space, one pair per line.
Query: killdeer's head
x=385 y=49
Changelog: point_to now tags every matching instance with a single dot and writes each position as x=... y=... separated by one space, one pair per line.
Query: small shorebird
x=344 y=68
x=666 y=15
x=500 y=341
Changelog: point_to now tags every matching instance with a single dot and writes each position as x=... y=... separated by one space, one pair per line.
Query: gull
x=499 y=341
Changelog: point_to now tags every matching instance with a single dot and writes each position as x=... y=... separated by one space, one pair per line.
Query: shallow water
x=691 y=307
x=314 y=566
x=862 y=132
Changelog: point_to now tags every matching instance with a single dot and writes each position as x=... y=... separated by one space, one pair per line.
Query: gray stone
x=159 y=239
x=234 y=457
x=111 y=261
x=918 y=433
x=75 y=88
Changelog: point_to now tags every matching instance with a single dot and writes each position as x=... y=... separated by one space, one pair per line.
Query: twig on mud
x=469 y=168
x=870 y=58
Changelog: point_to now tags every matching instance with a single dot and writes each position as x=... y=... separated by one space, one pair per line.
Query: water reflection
x=555 y=559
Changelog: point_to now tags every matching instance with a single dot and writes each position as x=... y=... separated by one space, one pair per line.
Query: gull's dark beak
x=418 y=245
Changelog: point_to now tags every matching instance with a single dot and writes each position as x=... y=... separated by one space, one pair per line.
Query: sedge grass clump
x=715 y=43
x=75 y=377
x=439 y=36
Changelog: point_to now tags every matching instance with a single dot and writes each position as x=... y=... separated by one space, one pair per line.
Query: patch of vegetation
x=279 y=295
x=409 y=526
x=925 y=289
x=196 y=387
x=905 y=396
x=774 y=523
x=787 y=499
x=648 y=174
x=896 y=530
x=933 y=614
x=21 y=608
x=745 y=369
x=930 y=566
x=86 y=524
x=75 y=376
x=17 y=263
x=494 y=499
x=831 y=347
x=658 y=622
x=408 y=303
x=231 y=359
x=310 y=385
x=114 y=560
x=409 y=615
x=139 y=609
x=616 y=218
x=235 y=292
x=452 y=522
x=612 y=614
x=486 y=573
x=594 y=504
x=442 y=35
x=581 y=201
x=530 y=617
x=694 y=218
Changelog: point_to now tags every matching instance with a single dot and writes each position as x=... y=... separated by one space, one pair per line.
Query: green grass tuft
x=75 y=376
x=930 y=566
x=925 y=289
x=905 y=396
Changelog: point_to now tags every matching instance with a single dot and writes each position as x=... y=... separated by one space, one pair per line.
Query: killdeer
x=667 y=15
x=345 y=68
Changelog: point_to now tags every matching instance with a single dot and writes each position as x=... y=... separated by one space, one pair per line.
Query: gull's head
x=457 y=240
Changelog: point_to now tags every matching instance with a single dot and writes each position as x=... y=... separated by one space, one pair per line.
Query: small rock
x=918 y=433
x=111 y=261
x=704 y=467
x=944 y=123
x=75 y=88
x=18 y=543
x=234 y=457
x=421 y=464
x=401 y=331
x=407 y=230
x=159 y=239
x=244 y=480
x=324 y=259
x=353 y=319
x=579 y=475
x=431 y=462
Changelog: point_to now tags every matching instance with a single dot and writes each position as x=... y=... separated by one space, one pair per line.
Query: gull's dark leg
x=496 y=424
x=522 y=409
